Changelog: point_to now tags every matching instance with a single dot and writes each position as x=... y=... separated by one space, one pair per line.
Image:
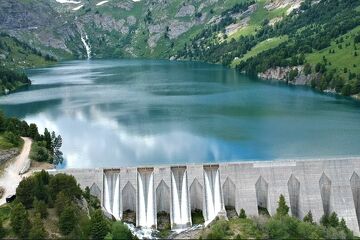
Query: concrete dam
x=319 y=186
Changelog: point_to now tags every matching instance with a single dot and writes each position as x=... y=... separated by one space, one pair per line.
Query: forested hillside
x=301 y=42
x=316 y=44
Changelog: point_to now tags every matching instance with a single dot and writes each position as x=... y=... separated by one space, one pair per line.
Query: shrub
x=12 y=138
x=39 y=153
x=120 y=231
x=242 y=213
x=219 y=230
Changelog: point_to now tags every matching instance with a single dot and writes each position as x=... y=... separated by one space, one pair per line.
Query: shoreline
x=262 y=76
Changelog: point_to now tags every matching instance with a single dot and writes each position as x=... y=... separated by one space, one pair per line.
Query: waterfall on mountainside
x=85 y=41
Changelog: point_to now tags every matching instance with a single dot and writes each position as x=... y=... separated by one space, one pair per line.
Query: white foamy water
x=146 y=200
x=180 y=203
x=85 y=41
x=213 y=194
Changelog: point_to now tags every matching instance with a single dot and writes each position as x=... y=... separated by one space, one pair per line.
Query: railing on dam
x=146 y=194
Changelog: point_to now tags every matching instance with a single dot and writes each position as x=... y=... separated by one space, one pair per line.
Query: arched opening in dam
x=112 y=192
x=262 y=195
x=294 y=195
x=181 y=216
x=196 y=202
x=229 y=190
x=146 y=216
x=355 y=188
x=128 y=199
x=163 y=206
x=325 y=191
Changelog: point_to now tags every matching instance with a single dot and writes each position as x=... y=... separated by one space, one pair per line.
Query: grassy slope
x=260 y=47
x=342 y=58
x=17 y=55
x=257 y=18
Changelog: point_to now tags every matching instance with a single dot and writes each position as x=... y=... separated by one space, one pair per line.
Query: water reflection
x=134 y=112
x=94 y=140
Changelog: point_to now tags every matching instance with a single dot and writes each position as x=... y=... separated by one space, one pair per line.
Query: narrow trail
x=10 y=178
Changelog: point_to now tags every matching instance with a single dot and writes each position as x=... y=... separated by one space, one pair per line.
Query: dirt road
x=10 y=177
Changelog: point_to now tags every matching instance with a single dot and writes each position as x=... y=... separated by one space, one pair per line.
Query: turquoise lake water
x=114 y=113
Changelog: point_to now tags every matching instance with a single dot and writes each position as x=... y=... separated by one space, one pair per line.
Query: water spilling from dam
x=214 y=202
x=180 y=201
x=146 y=215
x=112 y=193
x=185 y=192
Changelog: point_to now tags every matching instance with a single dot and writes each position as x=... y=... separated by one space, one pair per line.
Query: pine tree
x=282 y=209
x=61 y=201
x=25 y=192
x=33 y=131
x=333 y=220
x=37 y=230
x=2 y=230
x=40 y=208
x=99 y=227
x=48 y=140
x=324 y=220
x=67 y=220
x=308 y=217
x=242 y=213
x=19 y=220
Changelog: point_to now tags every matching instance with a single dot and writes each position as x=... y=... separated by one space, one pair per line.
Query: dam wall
x=319 y=186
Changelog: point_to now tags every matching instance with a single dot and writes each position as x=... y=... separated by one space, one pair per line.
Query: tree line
x=279 y=226
x=310 y=28
x=10 y=80
x=46 y=146
x=78 y=214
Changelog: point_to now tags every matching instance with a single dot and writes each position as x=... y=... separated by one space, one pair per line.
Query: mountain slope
x=300 y=42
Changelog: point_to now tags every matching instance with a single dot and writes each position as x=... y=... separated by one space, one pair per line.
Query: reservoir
x=116 y=113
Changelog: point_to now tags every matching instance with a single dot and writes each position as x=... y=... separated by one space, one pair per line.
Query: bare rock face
x=157 y=28
x=177 y=28
x=131 y=20
x=6 y=155
x=188 y=10
x=206 y=4
x=110 y=24
x=282 y=73
x=276 y=4
x=153 y=39
x=126 y=5
x=21 y=15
